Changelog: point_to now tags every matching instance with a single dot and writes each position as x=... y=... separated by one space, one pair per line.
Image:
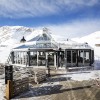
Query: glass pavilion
x=43 y=50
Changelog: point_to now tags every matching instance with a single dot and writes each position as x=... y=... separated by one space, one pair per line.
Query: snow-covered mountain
x=10 y=34
x=10 y=37
x=91 y=39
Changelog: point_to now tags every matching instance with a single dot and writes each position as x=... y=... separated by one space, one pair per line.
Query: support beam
x=83 y=57
x=37 y=57
x=77 y=60
x=23 y=58
x=20 y=57
x=12 y=57
x=46 y=59
x=71 y=59
x=66 y=58
x=55 y=60
x=28 y=57
x=90 y=56
x=58 y=64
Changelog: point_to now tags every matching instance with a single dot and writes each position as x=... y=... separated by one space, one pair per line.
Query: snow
x=82 y=75
x=51 y=83
x=2 y=89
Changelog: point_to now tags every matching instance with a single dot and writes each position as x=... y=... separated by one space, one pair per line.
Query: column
x=19 y=58
x=37 y=57
x=77 y=58
x=66 y=58
x=58 y=58
x=47 y=60
x=15 y=57
x=55 y=60
x=71 y=59
x=28 y=58
x=83 y=57
x=90 y=57
x=23 y=57
x=12 y=57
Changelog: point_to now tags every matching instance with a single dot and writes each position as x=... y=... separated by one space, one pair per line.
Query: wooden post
x=9 y=92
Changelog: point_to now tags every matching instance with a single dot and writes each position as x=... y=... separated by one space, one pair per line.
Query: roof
x=46 y=41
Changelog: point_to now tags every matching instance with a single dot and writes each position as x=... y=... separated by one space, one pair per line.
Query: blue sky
x=70 y=18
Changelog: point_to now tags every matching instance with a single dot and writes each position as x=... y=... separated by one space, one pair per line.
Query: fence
x=20 y=85
x=38 y=76
x=14 y=88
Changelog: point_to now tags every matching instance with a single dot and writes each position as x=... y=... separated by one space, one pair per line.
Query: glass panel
x=74 y=56
x=51 y=58
x=61 y=59
x=80 y=56
x=68 y=56
x=41 y=59
x=87 y=57
x=33 y=58
x=44 y=37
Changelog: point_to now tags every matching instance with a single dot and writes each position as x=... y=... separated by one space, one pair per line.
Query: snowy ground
x=45 y=89
x=2 y=89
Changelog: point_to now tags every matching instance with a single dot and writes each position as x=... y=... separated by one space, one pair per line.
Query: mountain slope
x=10 y=37
x=92 y=39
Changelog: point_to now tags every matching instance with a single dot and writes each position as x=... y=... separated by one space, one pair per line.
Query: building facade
x=43 y=50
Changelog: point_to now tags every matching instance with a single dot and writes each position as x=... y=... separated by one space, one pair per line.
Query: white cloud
x=76 y=29
x=27 y=8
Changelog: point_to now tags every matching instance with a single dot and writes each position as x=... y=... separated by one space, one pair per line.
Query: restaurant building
x=44 y=50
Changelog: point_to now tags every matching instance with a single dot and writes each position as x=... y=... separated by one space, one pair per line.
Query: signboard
x=8 y=73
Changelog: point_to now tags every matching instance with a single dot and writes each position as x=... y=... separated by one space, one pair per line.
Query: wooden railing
x=39 y=75
x=20 y=86
x=14 y=88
